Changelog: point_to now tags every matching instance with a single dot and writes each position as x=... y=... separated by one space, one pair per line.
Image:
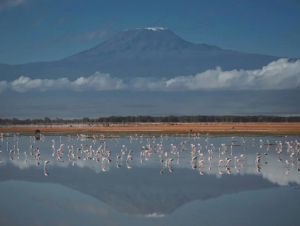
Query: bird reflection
x=200 y=153
x=46 y=173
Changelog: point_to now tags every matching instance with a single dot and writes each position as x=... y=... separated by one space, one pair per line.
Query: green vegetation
x=153 y=119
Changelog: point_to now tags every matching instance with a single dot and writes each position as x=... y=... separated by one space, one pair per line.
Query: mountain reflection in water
x=136 y=178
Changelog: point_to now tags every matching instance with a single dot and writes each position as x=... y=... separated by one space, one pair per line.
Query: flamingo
x=46 y=162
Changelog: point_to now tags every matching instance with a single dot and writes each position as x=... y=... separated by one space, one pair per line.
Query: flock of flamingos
x=196 y=151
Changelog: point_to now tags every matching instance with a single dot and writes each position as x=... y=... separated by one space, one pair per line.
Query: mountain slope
x=145 y=52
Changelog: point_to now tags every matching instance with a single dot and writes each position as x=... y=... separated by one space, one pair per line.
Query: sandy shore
x=166 y=128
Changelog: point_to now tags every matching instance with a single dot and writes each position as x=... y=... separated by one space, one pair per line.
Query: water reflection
x=275 y=158
x=142 y=191
x=159 y=177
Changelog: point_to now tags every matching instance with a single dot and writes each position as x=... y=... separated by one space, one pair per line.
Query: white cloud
x=280 y=74
x=155 y=215
x=10 y=3
x=23 y=84
x=98 y=82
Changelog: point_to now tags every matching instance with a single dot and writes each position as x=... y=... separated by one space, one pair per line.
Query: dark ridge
x=153 y=119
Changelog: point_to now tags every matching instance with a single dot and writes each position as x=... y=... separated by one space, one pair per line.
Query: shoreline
x=273 y=128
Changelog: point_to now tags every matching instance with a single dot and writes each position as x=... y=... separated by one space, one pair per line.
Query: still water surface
x=149 y=180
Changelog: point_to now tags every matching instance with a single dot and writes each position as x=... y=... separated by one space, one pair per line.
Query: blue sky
x=39 y=30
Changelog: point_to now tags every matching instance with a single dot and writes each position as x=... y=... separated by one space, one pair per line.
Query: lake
x=195 y=179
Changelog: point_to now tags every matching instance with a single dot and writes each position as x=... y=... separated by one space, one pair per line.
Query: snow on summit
x=155 y=28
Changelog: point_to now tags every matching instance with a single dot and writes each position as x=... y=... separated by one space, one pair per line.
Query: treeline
x=153 y=119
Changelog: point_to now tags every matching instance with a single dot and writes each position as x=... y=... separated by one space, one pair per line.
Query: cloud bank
x=97 y=81
x=280 y=74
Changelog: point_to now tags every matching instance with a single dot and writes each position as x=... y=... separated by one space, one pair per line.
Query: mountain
x=146 y=52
